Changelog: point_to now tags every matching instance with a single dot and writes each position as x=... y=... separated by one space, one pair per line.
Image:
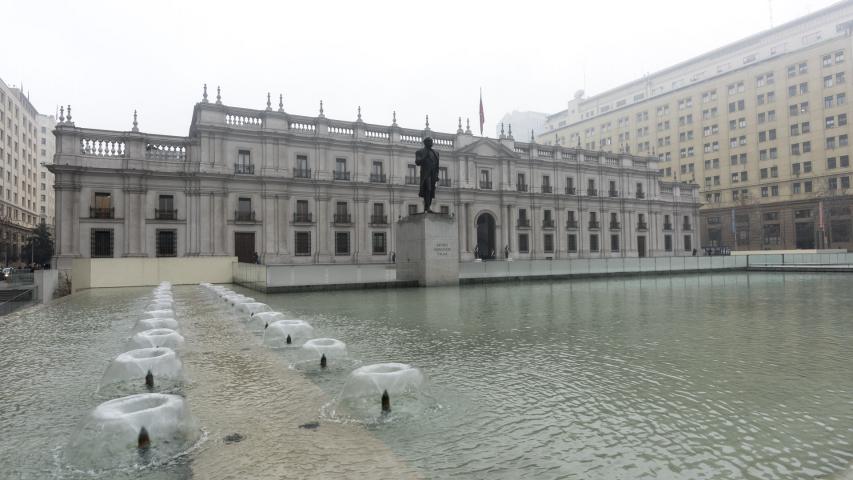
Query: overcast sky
x=107 y=58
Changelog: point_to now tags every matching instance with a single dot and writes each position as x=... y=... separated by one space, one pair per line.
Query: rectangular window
x=302 y=243
x=688 y=243
x=167 y=243
x=614 y=243
x=379 y=244
x=523 y=247
x=572 y=243
x=341 y=243
x=593 y=242
x=548 y=242
x=302 y=164
x=101 y=243
x=667 y=243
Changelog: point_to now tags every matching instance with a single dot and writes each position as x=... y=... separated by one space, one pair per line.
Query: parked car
x=7 y=272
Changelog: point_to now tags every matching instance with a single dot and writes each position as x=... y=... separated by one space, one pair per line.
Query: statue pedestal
x=428 y=249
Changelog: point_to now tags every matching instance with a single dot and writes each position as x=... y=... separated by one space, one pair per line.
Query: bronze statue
x=427 y=159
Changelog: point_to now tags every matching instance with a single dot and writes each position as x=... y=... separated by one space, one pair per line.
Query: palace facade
x=308 y=190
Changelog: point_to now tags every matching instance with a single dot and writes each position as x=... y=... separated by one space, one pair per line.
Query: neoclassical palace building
x=310 y=190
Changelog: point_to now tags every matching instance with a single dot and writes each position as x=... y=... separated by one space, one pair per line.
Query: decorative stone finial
x=427 y=122
x=61 y=114
x=321 y=110
x=556 y=137
x=394 y=118
x=281 y=103
x=467 y=126
x=218 y=96
x=269 y=103
x=204 y=94
x=69 y=114
x=135 y=123
x=459 y=130
x=502 y=131
x=359 y=113
x=510 y=132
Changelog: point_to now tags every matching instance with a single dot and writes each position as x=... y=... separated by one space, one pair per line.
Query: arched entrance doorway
x=486 y=248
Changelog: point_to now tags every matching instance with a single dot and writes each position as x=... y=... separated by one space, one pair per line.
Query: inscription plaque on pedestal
x=428 y=249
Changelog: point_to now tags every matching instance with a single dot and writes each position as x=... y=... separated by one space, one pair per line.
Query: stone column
x=322 y=229
x=283 y=202
x=362 y=230
x=268 y=228
x=510 y=230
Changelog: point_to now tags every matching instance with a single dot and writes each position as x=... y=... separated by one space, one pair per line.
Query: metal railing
x=593 y=224
x=613 y=193
x=546 y=189
x=548 y=223
x=570 y=190
x=667 y=226
x=101 y=212
x=615 y=225
x=302 y=217
x=521 y=187
x=341 y=175
x=642 y=226
x=444 y=182
x=377 y=178
x=523 y=223
x=686 y=227
x=301 y=173
x=410 y=180
x=572 y=224
x=641 y=195
x=165 y=214
x=244 y=216
x=244 y=169
x=592 y=192
x=342 y=218
x=21 y=300
x=379 y=219
x=484 y=185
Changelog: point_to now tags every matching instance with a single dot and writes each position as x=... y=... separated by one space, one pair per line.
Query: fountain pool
x=713 y=376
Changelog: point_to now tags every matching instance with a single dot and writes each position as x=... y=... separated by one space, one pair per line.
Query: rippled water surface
x=723 y=376
x=713 y=376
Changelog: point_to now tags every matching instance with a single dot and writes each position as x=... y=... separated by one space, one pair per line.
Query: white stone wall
x=201 y=177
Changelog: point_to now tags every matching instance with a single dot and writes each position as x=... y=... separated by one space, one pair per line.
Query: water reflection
x=711 y=376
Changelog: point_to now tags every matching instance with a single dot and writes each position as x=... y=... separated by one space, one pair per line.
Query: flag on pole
x=482 y=113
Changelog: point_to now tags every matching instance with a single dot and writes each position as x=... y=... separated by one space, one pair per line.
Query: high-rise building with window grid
x=762 y=125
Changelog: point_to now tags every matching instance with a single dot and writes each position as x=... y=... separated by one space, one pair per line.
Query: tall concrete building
x=47 y=148
x=312 y=190
x=26 y=142
x=761 y=125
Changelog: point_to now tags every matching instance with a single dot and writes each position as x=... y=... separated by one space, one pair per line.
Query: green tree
x=40 y=244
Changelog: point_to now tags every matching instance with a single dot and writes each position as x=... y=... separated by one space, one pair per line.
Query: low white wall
x=137 y=272
x=303 y=275
x=45 y=281
x=594 y=266
x=250 y=275
x=802 y=258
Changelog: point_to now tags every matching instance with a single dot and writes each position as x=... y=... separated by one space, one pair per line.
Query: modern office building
x=760 y=125
x=311 y=190
x=47 y=149
x=26 y=140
